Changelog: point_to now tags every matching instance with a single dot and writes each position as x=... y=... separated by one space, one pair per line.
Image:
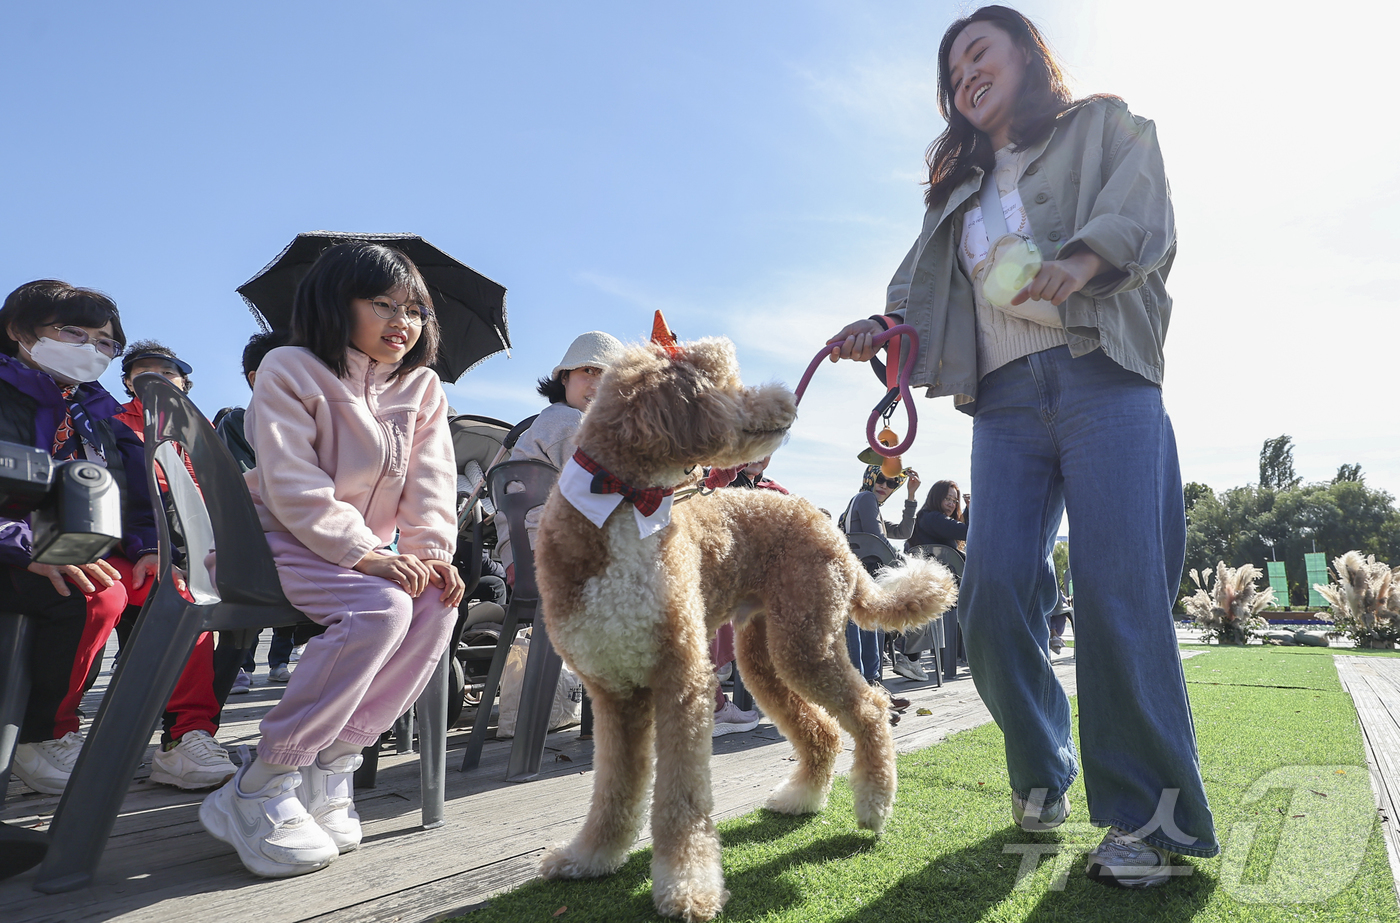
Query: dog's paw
x=874 y=808
x=796 y=797
x=691 y=900
x=571 y=862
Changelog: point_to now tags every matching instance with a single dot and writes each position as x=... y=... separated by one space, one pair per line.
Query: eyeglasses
x=386 y=308
x=78 y=337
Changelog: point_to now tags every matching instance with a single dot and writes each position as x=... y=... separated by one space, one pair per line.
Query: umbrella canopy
x=471 y=309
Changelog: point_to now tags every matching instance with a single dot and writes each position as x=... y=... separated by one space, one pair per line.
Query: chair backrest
x=873 y=550
x=516 y=488
x=950 y=557
x=216 y=514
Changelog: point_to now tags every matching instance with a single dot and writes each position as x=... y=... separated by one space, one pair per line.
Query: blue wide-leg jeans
x=1053 y=434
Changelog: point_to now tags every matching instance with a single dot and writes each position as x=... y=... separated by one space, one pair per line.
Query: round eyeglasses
x=78 y=337
x=415 y=313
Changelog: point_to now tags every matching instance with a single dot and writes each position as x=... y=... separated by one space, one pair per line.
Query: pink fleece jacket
x=343 y=462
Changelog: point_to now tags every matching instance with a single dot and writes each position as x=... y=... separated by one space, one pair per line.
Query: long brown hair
x=936 y=495
x=1043 y=97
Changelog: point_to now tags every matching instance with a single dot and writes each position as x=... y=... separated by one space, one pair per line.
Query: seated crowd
x=361 y=519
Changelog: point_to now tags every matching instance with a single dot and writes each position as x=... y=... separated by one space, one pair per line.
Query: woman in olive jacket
x=1063 y=381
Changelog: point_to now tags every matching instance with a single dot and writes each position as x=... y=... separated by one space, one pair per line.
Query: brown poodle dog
x=633 y=611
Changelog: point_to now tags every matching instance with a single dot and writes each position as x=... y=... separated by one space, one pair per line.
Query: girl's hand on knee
x=445 y=576
x=407 y=570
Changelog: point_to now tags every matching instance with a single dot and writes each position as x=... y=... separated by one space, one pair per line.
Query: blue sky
x=751 y=169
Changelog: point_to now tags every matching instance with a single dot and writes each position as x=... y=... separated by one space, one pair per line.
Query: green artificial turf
x=1282 y=755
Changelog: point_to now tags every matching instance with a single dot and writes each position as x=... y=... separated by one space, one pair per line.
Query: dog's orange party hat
x=662 y=336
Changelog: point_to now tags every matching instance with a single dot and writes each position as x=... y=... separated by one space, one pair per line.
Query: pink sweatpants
x=375 y=658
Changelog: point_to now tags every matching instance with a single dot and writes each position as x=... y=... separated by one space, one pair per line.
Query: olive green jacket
x=1098 y=182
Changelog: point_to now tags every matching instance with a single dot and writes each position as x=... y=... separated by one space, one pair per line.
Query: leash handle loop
x=895 y=394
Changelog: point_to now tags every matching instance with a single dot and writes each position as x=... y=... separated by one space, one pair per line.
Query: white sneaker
x=241 y=683
x=909 y=669
x=731 y=719
x=46 y=766
x=279 y=674
x=196 y=761
x=1034 y=816
x=270 y=829
x=297 y=652
x=329 y=795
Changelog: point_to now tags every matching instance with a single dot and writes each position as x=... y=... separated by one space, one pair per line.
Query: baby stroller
x=478 y=443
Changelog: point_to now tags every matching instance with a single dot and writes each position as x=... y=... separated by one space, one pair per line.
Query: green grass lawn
x=1284 y=766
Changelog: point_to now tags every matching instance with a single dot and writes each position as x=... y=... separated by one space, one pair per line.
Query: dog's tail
x=902 y=597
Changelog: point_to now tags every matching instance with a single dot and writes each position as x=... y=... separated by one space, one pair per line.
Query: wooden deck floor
x=1374 y=686
x=160 y=865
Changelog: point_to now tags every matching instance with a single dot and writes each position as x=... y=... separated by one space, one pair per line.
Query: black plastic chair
x=543 y=664
x=242 y=595
x=20 y=849
x=952 y=559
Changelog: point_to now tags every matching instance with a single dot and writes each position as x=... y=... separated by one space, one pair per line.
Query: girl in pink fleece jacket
x=350 y=429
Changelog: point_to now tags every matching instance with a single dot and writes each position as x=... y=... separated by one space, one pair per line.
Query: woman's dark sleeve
x=935 y=528
x=139 y=536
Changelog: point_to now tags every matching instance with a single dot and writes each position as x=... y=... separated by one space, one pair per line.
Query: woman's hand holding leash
x=856 y=341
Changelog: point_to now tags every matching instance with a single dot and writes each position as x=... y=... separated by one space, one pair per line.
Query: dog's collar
x=596 y=492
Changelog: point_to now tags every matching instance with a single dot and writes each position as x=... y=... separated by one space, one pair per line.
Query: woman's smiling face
x=985 y=73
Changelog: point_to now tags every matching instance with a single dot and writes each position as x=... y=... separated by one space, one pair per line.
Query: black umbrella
x=471 y=309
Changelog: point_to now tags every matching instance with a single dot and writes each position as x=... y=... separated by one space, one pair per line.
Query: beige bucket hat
x=594 y=348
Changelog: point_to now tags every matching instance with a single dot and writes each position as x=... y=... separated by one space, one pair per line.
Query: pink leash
x=885 y=409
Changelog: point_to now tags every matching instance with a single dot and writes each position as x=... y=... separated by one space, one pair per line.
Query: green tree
x=1254 y=524
x=1060 y=555
x=1276 y=464
x=1349 y=473
x=1194 y=491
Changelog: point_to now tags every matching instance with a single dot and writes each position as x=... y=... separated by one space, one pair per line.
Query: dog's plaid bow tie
x=647 y=500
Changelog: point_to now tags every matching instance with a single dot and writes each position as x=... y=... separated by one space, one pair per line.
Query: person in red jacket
x=189 y=757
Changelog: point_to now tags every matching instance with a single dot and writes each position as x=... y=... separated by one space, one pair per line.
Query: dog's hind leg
x=622 y=733
x=818 y=666
x=811 y=731
x=687 y=880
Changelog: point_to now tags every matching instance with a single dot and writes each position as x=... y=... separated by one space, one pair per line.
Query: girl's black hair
x=323 y=318
x=48 y=301
x=259 y=345
x=553 y=388
x=1044 y=96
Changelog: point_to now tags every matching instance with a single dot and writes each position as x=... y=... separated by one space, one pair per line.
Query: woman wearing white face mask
x=55 y=340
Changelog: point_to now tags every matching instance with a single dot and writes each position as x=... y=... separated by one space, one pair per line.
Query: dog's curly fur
x=634 y=616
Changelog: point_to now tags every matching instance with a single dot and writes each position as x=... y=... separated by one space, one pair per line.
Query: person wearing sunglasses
x=56 y=340
x=863 y=515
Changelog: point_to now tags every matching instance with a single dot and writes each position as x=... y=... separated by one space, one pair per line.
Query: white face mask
x=71 y=361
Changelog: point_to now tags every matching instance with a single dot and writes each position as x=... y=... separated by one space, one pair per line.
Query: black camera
x=77 y=510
